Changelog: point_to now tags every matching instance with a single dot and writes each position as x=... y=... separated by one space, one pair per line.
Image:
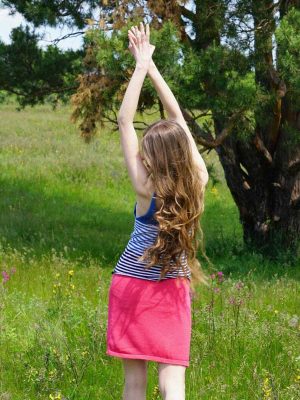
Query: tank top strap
x=152 y=204
x=148 y=217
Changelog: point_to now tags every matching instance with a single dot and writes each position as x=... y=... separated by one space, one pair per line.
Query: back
x=143 y=236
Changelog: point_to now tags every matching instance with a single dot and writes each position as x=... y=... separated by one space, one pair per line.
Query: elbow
x=204 y=178
x=122 y=119
x=206 y=181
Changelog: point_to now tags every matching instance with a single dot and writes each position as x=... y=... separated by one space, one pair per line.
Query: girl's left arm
x=142 y=51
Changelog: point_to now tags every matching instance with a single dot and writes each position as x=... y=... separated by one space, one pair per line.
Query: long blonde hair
x=168 y=157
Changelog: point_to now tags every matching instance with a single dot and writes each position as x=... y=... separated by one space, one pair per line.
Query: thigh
x=135 y=370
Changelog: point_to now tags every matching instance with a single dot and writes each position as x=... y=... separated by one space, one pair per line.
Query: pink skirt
x=149 y=320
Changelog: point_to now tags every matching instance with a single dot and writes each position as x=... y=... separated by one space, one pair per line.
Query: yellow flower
x=71 y=272
x=55 y=397
x=276 y=311
x=57 y=275
x=72 y=286
x=214 y=190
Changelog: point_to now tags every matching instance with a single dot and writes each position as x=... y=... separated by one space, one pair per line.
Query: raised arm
x=138 y=173
x=173 y=110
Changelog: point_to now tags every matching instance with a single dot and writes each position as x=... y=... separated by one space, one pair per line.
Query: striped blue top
x=143 y=236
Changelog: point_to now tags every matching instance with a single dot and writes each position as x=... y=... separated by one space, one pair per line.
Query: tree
x=239 y=65
x=225 y=68
x=33 y=74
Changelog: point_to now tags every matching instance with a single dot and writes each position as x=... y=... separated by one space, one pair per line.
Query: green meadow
x=66 y=214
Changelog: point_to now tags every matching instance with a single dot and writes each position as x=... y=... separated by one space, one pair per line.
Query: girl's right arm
x=173 y=110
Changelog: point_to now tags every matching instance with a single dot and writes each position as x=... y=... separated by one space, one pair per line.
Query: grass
x=66 y=214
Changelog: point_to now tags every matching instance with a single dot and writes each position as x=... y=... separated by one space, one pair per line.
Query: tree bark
x=263 y=174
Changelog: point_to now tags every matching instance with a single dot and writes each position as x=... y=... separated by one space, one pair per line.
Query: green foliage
x=108 y=68
x=33 y=74
x=288 y=41
x=53 y=12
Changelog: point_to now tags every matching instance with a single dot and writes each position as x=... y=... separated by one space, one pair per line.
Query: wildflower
x=220 y=273
x=57 y=275
x=56 y=396
x=293 y=322
x=276 y=311
x=213 y=276
x=217 y=289
x=214 y=191
x=71 y=273
x=72 y=286
x=5 y=276
x=239 y=285
x=232 y=300
x=266 y=388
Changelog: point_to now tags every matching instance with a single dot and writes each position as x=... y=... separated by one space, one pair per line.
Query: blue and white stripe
x=143 y=236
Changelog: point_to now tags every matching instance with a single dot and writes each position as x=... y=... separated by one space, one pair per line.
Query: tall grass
x=66 y=214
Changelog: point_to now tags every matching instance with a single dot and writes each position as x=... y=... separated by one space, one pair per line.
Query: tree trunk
x=263 y=175
x=267 y=195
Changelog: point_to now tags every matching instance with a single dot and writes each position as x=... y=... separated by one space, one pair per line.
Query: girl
x=149 y=308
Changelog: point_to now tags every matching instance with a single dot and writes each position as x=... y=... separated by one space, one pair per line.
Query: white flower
x=293 y=322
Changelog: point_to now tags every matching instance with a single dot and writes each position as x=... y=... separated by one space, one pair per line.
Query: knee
x=135 y=382
x=172 y=391
x=172 y=384
x=135 y=376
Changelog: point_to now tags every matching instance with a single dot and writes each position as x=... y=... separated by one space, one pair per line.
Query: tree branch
x=68 y=35
x=204 y=137
x=294 y=167
x=259 y=144
x=187 y=13
x=280 y=89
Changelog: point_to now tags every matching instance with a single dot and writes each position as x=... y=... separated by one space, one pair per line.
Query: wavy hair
x=168 y=158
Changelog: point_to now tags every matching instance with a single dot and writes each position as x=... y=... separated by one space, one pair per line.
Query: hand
x=140 y=46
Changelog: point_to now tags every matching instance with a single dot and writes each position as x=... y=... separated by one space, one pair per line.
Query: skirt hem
x=148 y=357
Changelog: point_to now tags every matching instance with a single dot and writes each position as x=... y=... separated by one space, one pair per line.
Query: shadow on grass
x=32 y=218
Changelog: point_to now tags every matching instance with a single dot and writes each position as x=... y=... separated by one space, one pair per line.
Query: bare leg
x=172 y=381
x=135 y=372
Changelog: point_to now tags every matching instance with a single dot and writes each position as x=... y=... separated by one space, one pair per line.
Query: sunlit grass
x=66 y=214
